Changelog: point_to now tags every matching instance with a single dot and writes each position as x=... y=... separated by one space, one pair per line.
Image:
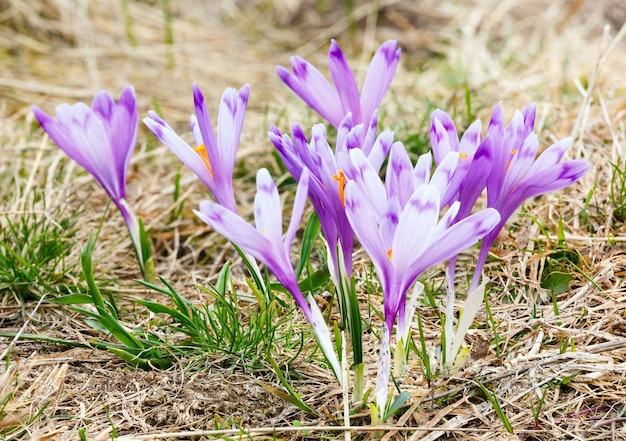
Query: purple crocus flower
x=101 y=139
x=518 y=174
x=475 y=158
x=266 y=244
x=213 y=158
x=327 y=180
x=334 y=103
x=404 y=240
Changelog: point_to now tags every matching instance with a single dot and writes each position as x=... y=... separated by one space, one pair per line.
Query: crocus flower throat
x=201 y=150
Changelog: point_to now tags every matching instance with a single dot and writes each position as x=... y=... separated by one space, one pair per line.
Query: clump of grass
x=34 y=245
x=240 y=326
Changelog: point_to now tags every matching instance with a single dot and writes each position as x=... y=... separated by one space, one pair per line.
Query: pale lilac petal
x=287 y=151
x=369 y=139
x=344 y=81
x=443 y=136
x=475 y=179
x=471 y=139
x=342 y=132
x=389 y=223
x=443 y=180
x=310 y=85
x=100 y=139
x=103 y=105
x=62 y=136
x=365 y=227
x=204 y=119
x=164 y=133
x=554 y=178
x=268 y=215
x=124 y=124
x=298 y=208
x=378 y=77
x=415 y=227
x=520 y=163
x=195 y=130
x=459 y=237
x=379 y=151
x=551 y=156
x=352 y=139
x=448 y=219
x=368 y=180
x=423 y=169
x=228 y=133
x=91 y=136
x=237 y=230
x=399 y=179
x=529 y=113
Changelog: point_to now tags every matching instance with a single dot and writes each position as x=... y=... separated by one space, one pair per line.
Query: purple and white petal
x=378 y=78
x=344 y=81
x=268 y=215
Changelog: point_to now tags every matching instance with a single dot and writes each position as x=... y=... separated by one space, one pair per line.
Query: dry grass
x=556 y=53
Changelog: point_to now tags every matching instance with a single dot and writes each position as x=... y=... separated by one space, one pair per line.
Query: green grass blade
x=493 y=399
x=292 y=397
x=310 y=235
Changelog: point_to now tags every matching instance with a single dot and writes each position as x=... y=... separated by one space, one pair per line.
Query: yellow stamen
x=390 y=254
x=201 y=150
x=341 y=179
x=463 y=155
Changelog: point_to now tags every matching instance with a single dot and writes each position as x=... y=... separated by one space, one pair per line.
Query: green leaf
x=157 y=308
x=396 y=405
x=85 y=259
x=493 y=399
x=557 y=282
x=292 y=397
x=73 y=299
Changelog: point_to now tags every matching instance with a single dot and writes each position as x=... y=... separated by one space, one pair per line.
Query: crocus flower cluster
x=411 y=220
x=511 y=173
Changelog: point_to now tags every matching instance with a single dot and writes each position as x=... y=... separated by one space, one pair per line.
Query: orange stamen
x=513 y=153
x=390 y=254
x=341 y=179
x=201 y=150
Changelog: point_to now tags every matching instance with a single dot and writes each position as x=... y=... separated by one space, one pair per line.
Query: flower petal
x=310 y=85
x=164 y=133
x=268 y=215
x=399 y=180
x=364 y=225
x=298 y=208
x=378 y=78
x=124 y=124
x=443 y=136
x=415 y=227
x=344 y=81
x=459 y=237
x=235 y=229
x=204 y=119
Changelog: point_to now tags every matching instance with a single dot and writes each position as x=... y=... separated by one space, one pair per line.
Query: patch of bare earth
x=559 y=371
